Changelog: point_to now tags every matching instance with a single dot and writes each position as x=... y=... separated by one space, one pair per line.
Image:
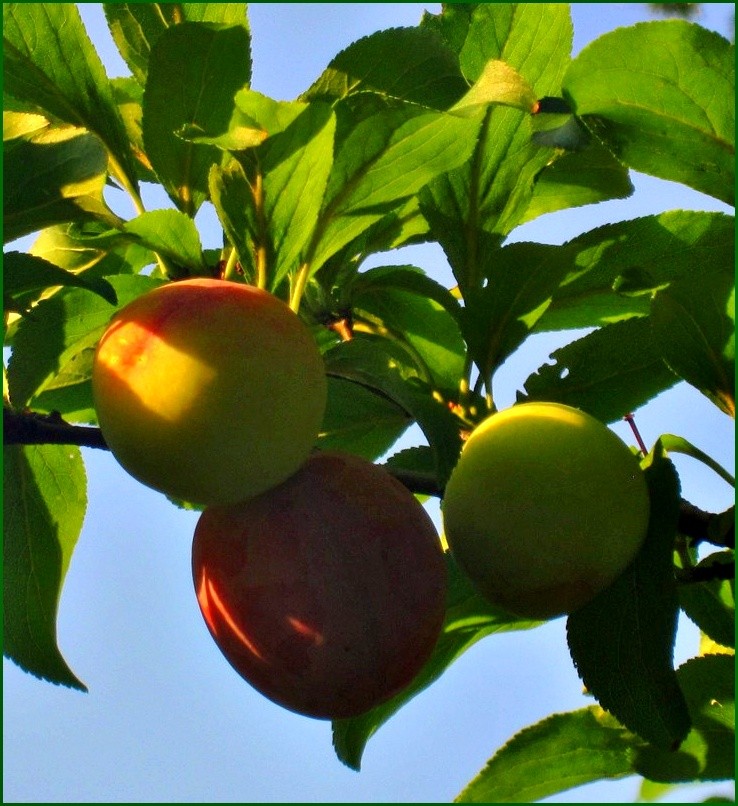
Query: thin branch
x=29 y=428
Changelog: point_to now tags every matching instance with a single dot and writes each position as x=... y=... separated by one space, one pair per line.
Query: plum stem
x=630 y=419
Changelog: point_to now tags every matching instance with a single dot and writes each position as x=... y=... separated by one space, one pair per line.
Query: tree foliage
x=456 y=131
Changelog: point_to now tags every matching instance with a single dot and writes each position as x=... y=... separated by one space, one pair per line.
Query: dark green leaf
x=412 y=64
x=555 y=125
x=208 y=65
x=24 y=273
x=559 y=753
x=50 y=63
x=579 y=747
x=469 y=618
x=708 y=752
x=694 y=328
x=616 y=268
x=622 y=641
x=61 y=329
x=136 y=26
x=419 y=313
x=711 y=605
x=522 y=279
x=44 y=506
x=579 y=178
x=608 y=373
x=662 y=96
x=383 y=367
x=359 y=421
x=58 y=176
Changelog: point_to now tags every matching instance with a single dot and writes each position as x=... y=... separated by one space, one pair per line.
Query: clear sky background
x=166 y=718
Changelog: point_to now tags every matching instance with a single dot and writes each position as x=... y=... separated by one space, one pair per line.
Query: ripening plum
x=209 y=390
x=326 y=593
x=545 y=508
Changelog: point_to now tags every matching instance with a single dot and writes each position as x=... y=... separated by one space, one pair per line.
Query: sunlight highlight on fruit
x=209 y=391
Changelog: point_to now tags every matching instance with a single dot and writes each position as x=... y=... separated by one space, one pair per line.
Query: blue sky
x=166 y=718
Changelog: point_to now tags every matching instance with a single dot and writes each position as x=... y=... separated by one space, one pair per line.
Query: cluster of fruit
x=320 y=577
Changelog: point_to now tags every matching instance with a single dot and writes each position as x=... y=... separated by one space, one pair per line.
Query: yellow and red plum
x=208 y=390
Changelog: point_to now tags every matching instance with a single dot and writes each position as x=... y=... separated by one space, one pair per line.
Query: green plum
x=545 y=508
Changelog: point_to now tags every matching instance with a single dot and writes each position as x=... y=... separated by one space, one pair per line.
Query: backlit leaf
x=24 y=273
x=412 y=64
x=50 y=63
x=608 y=373
x=57 y=176
x=559 y=753
x=694 y=328
x=661 y=94
x=616 y=268
x=207 y=65
x=44 y=506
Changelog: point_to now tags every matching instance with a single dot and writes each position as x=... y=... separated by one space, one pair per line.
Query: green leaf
x=382 y=367
x=578 y=178
x=208 y=64
x=579 y=747
x=128 y=94
x=91 y=248
x=136 y=26
x=622 y=641
x=472 y=208
x=24 y=273
x=661 y=95
x=555 y=125
x=50 y=63
x=44 y=506
x=412 y=64
x=694 y=328
x=360 y=421
x=608 y=373
x=499 y=83
x=615 y=269
x=56 y=177
x=469 y=618
x=708 y=752
x=677 y=444
x=269 y=204
x=23 y=124
x=561 y=752
x=385 y=160
x=62 y=328
x=711 y=605
x=408 y=306
x=522 y=279
x=172 y=234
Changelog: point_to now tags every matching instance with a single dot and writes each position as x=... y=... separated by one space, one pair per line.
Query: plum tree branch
x=33 y=428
